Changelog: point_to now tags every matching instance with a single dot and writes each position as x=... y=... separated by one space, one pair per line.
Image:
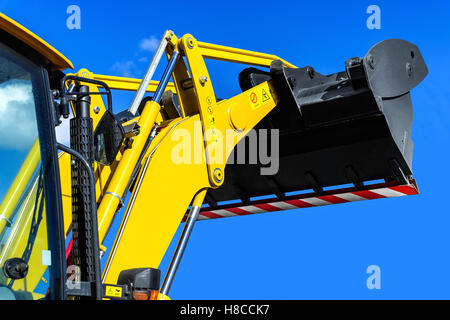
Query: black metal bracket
x=312 y=181
x=69 y=96
x=353 y=176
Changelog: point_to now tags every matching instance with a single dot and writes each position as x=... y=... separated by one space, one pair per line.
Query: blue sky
x=311 y=253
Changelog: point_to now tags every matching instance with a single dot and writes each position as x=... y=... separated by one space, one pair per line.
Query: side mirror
x=108 y=138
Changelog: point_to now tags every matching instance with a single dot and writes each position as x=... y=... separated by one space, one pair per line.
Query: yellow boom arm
x=164 y=188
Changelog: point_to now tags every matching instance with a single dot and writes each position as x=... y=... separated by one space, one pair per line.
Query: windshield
x=24 y=255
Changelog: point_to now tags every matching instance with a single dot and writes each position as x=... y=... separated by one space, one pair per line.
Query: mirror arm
x=64 y=95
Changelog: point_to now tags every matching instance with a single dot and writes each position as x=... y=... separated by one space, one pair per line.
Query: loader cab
x=32 y=264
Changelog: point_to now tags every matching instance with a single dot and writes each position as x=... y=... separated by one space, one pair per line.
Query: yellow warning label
x=259 y=95
x=212 y=128
x=112 y=291
x=264 y=95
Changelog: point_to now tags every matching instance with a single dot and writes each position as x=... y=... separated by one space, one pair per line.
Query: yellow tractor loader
x=293 y=138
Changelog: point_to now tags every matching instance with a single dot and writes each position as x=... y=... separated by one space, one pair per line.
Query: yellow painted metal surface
x=162 y=194
x=187 y=156
x=166 y=186
x=103 y=174
x=162 y=297
x=186 y=97
x=128 y=84
x=56 y=59
x=204 y=94
x=169 y=179
x=121 y=177
x=218 y=52
x=234 y=116
x=66 y=190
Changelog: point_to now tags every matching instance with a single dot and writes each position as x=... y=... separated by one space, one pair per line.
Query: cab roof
x=56 y=59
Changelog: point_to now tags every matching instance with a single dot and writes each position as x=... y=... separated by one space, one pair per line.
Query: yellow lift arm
x=164 y=190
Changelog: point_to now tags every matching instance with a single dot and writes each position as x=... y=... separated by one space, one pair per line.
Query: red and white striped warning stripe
x=376 y=191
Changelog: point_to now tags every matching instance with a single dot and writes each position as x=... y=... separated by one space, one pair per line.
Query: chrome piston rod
x=182 y=243
x=148 y=75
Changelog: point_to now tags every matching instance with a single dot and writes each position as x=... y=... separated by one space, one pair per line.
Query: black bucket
x=353 y=126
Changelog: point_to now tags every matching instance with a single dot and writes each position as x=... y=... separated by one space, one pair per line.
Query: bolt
x=292 y=82
x=371 y=61
x=203 y=80
x=218 y=176
x=96 y=109
x=409 y=69
x=190 y=42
